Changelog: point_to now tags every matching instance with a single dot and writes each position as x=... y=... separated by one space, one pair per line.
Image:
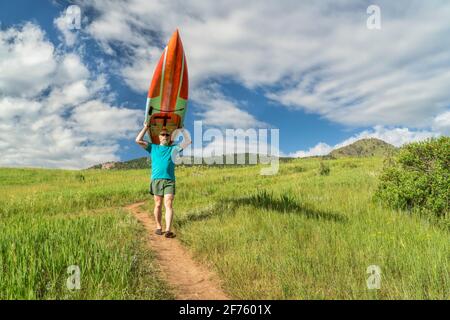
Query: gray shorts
x=161 y=187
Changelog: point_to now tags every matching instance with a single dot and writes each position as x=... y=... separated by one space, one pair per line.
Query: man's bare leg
x=157 y=211
x=168 y=201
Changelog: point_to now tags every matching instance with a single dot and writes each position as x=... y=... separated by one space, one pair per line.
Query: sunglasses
x=164 y=134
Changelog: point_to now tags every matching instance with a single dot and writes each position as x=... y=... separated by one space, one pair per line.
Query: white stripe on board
x=181 y=79
x=162 y=74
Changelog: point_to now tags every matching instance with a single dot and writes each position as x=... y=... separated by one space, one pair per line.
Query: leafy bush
x=324 y=170
x=418 y=177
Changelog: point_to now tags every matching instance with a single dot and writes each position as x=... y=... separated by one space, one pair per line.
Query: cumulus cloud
x=319 y=149
x=104 y=121
x=53 y=111
x=394 y=136
x=221 y=111
x=26 y=61
x=138 y=74
x=442 y=123
x=70 y=69
x=318 y=57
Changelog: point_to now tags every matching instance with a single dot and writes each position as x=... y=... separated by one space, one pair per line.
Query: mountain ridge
x=366 y=147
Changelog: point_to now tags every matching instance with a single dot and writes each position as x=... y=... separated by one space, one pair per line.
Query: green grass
x=47 y=226
x=294 y=235
x=301 y=235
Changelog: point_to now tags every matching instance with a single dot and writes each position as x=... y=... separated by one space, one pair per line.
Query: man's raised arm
x=140 y=137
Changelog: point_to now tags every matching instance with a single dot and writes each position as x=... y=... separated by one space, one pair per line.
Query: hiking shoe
x=158 y=232
x=169 y=234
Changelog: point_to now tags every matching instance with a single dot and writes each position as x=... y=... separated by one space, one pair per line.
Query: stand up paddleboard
x=168 y=93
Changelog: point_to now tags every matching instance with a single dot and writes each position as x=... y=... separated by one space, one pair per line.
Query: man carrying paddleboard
x=162 y=184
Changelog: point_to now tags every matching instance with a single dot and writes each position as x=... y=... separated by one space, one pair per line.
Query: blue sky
x=314 y=71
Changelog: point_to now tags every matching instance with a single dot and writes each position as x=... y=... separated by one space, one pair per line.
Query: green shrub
x=324 y=170
x=418 y=177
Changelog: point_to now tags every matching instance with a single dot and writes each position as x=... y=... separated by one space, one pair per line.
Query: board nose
x=175 y=36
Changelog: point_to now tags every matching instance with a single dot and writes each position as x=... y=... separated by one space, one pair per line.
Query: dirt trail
x=189 y=279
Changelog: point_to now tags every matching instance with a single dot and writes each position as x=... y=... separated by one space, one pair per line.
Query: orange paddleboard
x=168 y=94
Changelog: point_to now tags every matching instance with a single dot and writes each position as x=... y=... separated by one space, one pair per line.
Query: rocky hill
x=364 y=148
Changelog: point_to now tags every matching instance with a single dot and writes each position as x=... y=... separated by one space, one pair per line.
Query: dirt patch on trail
x=188 y=279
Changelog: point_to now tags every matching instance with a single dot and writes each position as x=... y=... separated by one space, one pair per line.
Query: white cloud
x=319 y=149
x=63 y=97
x=71 y=69
x=53 y=111
x=319 y=57
x=220 y=111
x=394 y=136
x=442 y=122
x=26 y=61
x=12 y=108
x=103 y=121
x=139 y=73
x=226 y=114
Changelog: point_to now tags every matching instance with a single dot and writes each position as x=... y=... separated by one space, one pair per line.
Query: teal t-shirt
x=163 y=166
